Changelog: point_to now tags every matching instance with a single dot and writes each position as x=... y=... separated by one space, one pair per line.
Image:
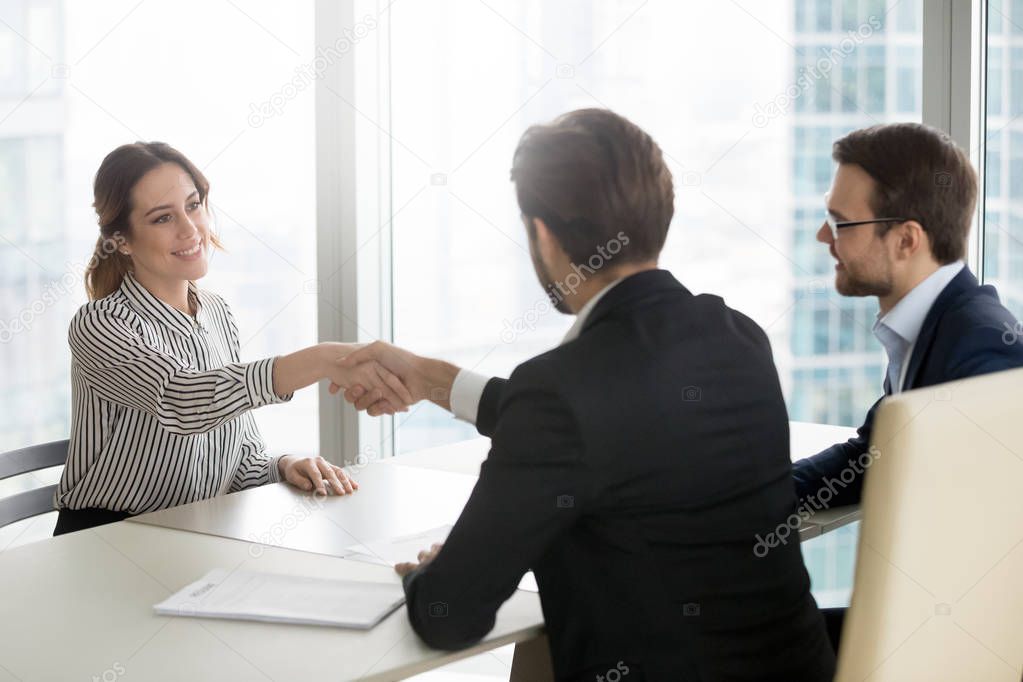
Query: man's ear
x=911 y=239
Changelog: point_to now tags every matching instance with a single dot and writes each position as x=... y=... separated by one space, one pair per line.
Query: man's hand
x=425 y=557
x=316 y=474
x=425 y=378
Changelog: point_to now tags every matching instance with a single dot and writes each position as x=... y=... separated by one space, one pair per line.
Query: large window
x=79 y=79
x=746 y=124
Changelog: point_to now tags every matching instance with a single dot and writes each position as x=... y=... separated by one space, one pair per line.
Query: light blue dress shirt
x=899 y=328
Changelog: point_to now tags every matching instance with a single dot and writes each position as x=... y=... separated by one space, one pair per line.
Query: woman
x=161 y=404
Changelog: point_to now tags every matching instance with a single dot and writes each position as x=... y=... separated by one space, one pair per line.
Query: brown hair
x=592 y=175
x=116 y=178
x=921 y=175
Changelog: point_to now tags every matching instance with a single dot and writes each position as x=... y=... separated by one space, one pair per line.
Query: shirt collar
x=156 y=309
x=584 y=312
x=907 y=317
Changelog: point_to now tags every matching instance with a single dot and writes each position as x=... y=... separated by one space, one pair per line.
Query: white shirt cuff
x=466 y=392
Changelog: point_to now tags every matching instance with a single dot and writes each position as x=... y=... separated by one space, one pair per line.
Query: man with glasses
x=898 y=218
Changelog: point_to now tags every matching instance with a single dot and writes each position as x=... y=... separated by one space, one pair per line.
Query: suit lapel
x=962 y=282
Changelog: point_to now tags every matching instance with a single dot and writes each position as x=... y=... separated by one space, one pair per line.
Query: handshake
x=384 y=379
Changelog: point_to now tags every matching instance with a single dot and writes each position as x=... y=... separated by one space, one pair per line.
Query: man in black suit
x=633 y=467
x=898 y=217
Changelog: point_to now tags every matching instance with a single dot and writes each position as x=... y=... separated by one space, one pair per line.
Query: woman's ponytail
x=107 y=267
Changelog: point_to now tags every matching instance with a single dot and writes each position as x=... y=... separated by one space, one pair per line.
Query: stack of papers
x=248 y=595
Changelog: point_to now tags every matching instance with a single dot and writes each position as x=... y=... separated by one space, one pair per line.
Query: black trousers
x=70 y=520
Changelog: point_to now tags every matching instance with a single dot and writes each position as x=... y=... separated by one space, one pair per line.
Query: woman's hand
x=316 y=474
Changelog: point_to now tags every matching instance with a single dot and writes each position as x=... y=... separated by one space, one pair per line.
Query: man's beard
x=849 y=283
x=546 y=281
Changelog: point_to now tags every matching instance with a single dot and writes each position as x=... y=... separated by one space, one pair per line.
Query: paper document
x=248 y=595
x=407 y=548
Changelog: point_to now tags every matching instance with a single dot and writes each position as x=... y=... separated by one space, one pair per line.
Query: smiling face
x=864 y=262
x=170 y=231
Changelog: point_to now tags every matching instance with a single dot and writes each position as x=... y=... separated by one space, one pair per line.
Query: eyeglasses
x=836 y=225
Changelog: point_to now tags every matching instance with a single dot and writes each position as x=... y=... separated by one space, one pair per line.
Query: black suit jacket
x=963 y=335
x=632 y=470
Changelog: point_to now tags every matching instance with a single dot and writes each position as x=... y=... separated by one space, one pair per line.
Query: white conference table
x=80 y=606
x=87 y=610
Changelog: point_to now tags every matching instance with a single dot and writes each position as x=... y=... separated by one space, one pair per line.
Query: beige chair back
x=938 y=593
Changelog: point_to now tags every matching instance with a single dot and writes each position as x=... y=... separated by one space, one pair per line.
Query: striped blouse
x=161 y=405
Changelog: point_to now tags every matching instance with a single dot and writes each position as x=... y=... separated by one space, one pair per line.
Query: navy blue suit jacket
x=963 y=335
